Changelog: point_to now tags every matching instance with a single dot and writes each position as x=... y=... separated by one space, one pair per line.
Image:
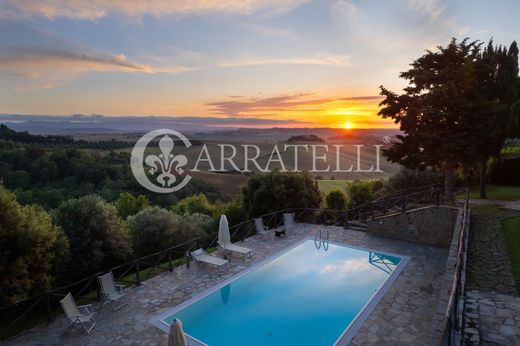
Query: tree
x=434 y=110
x=268 y=192
x=336 y=200
x=128 y=205
x=98 y=237
x=497 y=91
x=360 y=192
x=154 y=229
x=406 y=178
x=457 y=109
x=32 y=249
x=193 y=204
x=233 y=210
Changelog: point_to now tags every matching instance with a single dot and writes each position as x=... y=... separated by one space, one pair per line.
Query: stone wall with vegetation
x=432 y=225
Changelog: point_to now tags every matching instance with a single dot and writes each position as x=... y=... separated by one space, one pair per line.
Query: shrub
x=154 y=229
x=504 y=171
x=233 y=210
x=128 y=205
x=336 y=200
x=362 y=191
x=268 y=192
x=31 y=249
x=193 y=204
x=407 y=178
x=98 y=237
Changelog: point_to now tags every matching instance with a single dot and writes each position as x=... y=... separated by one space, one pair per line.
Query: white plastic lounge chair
x=78 y=315
x=230 y=247
x=262 y=230
x=288 y=222
x=202 y=256
x=111 y=291
x=224 y=239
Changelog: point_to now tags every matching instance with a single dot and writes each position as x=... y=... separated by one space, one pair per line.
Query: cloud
x=95 y=9
x=436 y=16
x=34 y=61
x=32 y=58
x=323 y=59
x=271 y=106
x=270 y=31
x=428 y=8
x=346 y=9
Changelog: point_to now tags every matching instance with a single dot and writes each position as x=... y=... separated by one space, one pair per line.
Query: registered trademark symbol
x=386 y=139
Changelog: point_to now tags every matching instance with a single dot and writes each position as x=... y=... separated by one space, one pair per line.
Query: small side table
x=279 y=232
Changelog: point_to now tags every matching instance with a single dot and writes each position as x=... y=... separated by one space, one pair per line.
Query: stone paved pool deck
x=402 y=317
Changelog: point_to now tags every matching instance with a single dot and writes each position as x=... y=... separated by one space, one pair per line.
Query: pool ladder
x=322 y=238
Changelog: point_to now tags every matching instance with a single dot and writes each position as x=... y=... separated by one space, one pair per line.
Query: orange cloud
x=94 y=9
x=360 y=111
x=324 y=59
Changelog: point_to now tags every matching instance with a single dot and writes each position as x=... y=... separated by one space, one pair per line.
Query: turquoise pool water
x=306 y=296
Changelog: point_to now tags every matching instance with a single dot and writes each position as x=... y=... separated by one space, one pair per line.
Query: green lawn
x=328 y=185
x=503 y=192
x=511 y=228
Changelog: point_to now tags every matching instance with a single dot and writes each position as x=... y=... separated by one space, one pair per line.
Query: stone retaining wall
x=432 y=225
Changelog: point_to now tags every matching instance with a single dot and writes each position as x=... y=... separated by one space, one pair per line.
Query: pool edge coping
x=348 y=333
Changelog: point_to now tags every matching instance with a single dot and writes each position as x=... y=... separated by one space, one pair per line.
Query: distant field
x=347 y=159
x=229 y=185
x=328 y=185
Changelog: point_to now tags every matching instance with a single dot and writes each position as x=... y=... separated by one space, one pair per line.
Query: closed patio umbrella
x=223 y=231
x=176 y=335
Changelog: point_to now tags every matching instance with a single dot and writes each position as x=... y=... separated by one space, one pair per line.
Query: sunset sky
x=287 y=62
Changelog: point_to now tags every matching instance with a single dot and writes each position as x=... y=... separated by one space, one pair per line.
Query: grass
x=500 y=192
x=485 y=209
x=511 y=227
x=328 y=185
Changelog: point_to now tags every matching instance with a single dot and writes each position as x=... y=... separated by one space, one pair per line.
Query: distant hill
x=8 y=134
x=306 y=138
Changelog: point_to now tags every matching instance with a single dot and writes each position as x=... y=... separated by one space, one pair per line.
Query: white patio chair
x=202 y=256
x=78 y=315
x=288 y=222
x=111 y=291
x=262 y=230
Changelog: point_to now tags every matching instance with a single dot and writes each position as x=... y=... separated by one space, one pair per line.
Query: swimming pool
x=304 y=296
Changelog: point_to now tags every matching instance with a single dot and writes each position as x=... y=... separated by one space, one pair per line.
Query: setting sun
x=348 y=125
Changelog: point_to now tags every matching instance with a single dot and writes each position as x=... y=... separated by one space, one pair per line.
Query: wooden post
x=48 y=306
x=170 y=268
x=137 y=274
x=187 y=255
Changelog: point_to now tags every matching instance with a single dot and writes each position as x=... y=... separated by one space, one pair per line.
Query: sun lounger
x=202 y=256
x=230 y=247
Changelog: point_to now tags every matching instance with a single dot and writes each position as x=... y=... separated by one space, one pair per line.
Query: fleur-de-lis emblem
x=166 y=162
x=161 y=172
